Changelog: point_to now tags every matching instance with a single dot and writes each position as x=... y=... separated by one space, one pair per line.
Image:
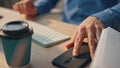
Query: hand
x=26 y=7
x=90 y=28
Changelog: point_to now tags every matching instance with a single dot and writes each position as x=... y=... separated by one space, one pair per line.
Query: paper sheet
x=107 y=53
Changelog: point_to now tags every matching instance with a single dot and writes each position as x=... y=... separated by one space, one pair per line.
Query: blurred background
x=55 y=13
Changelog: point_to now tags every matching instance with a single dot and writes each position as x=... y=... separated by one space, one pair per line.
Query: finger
x=23 y=8
x=97 y=32
x=102 y=25
x=71 y=42
x=20 y=8
x=78 y=42
x=15 y=7
x=91 y=40
x=26 y=9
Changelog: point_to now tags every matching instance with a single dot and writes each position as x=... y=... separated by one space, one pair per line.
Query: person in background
x=91 y=15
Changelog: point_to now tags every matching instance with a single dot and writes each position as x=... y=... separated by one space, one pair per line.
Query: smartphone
x=1 y=17
x=66 y=60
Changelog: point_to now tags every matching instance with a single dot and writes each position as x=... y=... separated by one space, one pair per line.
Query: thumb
x=69 y=44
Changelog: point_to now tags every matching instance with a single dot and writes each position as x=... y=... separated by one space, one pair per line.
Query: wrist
x=99 y=20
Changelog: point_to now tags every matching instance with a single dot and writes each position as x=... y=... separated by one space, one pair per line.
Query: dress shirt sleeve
x=45 y=6
x=110 y=17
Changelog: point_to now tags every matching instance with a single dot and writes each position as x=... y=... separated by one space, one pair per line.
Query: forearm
x=110 y=17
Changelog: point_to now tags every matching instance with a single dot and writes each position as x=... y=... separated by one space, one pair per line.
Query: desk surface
x=40 y=57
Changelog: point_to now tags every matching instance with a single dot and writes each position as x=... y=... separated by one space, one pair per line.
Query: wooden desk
x=40 y=57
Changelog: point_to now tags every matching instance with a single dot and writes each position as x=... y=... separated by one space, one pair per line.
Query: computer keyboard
x=45 y=36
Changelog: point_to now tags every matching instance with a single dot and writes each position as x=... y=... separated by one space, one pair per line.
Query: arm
x=110 y=17
x=44 y=6
x=30 y=10
x=92 y=27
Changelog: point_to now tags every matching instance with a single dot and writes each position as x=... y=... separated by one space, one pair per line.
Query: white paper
x=108 y=50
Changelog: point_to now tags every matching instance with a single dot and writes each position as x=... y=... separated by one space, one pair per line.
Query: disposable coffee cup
x=16 y=39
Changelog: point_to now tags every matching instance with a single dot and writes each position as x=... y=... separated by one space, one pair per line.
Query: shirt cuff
x=106 y=17
x=39 y=8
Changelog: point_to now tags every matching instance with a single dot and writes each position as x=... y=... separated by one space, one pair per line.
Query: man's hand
x=26 y=7
x=90 y=28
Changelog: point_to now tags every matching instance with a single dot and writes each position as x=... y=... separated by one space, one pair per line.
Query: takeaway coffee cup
x=16 y=38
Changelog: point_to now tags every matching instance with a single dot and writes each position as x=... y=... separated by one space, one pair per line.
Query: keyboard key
x=46 y=37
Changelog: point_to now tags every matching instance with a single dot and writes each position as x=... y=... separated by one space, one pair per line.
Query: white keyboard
x=45 y=36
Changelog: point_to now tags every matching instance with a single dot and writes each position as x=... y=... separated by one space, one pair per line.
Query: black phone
x=1 y=17
x=66 y=60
